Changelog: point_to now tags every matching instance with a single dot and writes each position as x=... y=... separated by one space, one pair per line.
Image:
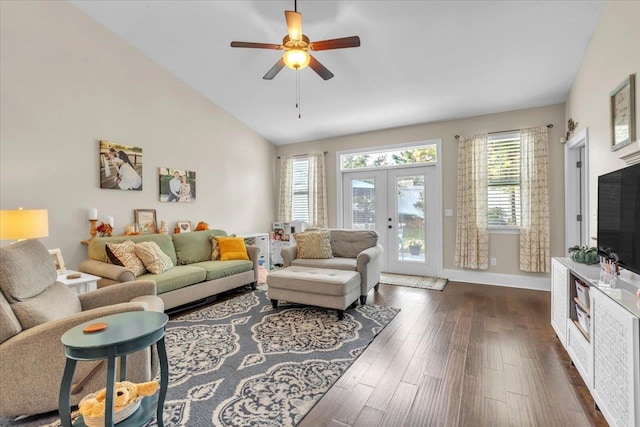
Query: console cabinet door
x=559 y=300
x=616 y=360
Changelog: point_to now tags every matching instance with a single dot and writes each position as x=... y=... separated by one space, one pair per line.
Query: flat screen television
x=619 y=216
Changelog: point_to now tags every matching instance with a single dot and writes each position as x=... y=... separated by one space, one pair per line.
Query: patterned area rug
x=423 y=282
x=242 y=363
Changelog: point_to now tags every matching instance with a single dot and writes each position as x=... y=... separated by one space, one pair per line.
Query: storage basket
x=119 y=415
x=582 y=292
x=583 y=319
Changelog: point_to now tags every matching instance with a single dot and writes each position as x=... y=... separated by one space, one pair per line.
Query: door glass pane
x=411 y=218
x=363 y=204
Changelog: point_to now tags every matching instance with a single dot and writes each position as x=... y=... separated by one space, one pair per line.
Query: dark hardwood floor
x=471 y=355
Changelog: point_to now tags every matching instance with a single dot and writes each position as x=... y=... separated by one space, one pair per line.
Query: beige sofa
x=354 y=250
x=194 y=276
x=36 y=310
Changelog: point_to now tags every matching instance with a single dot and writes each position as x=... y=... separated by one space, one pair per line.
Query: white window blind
x=503 y=178
x=300 y=205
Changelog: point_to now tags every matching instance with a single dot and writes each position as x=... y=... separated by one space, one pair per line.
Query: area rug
x=423 y=282
x=241 y=362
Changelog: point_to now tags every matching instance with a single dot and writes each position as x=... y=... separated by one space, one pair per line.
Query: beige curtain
x=534 y=186
x=286 y=189
x=472 y=229
x=317 y=191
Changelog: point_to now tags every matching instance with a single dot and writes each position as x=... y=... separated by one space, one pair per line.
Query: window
x=503 y=179
x=424 y=154
x=300 y=203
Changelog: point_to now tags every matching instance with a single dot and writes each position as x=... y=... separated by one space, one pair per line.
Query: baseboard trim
x=539 y=283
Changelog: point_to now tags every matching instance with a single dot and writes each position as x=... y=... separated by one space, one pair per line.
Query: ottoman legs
x=363 y=299
x=274 y=303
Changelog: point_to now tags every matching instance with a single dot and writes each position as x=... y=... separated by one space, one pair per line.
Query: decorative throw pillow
x=125 y=255
x=313 y=245
x=215 y=248
x=153 y=258
x=232 y=248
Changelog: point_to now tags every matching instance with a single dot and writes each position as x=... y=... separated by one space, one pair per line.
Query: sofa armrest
x=117 y=294
x=368 y=265
x=109 y=271
x=288 y=254
x=254 y=254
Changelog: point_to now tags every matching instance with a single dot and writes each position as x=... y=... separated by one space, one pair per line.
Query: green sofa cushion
x=219 y=269
x=194 y=246
x=97 y=246
x=176 y=278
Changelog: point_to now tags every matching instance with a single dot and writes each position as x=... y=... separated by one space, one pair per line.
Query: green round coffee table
x=125 y=333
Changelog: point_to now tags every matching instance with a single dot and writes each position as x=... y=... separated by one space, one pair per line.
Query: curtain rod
x=306 y=154
x=550 y=125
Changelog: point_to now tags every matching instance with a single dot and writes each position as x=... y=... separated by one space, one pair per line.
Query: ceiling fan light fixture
x=296 y=59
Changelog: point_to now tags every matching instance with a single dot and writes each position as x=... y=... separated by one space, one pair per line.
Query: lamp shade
x=24 y=224
x=296 y=59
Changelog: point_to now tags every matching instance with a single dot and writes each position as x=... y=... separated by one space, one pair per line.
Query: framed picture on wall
x=56 y=257
x=623 y=113
x=177 y=185
x=146 y=220
x=120 y=166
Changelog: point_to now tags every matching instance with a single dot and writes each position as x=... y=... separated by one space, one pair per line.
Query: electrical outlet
x=494 y=261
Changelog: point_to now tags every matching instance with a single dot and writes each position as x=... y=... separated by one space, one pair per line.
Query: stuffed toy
x=125 y=393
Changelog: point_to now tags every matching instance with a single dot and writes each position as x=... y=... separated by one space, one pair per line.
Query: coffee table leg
x=111 y=379
x=64 y=400
x=164 y=380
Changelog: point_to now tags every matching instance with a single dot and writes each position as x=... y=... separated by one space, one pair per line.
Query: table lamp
x=21 y=224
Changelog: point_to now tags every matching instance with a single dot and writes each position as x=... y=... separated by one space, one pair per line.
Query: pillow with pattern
x=124 y=254
x=215 y=248
x=313 y=244
x=152 y=257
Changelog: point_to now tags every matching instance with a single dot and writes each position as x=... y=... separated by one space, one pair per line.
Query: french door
x=403 y=206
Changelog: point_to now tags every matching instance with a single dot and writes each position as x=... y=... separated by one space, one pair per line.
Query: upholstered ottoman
x=321 y=287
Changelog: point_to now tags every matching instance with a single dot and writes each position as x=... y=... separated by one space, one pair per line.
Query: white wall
x=502 y=247
x=66 y=82
x=613 y=54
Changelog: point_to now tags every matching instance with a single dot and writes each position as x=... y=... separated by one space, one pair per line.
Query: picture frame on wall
x=146 y=220
x=177 y=185
x=58 y=262
x=120 y=166
x=623 y=113
x=184 y=226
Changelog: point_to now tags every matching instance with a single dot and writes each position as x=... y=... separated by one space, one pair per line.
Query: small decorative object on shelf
x=202 y=226
x=571 y=127
x=583 y=254
x=163 y=228
x=609 y=261
x=104 y=229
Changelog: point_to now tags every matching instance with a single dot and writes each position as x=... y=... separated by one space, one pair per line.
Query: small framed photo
x=623 y=113
x=184 y=226
x=56 y=257
x=146 y=220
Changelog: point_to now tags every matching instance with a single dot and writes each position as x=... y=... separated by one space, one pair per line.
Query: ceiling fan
x=296 y=46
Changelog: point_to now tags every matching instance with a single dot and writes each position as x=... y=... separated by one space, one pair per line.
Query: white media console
x=596 y=318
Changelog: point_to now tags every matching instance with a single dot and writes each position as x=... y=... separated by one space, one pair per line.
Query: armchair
x=35 y=311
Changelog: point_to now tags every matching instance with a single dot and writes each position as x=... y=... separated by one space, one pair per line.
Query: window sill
x=504 y=230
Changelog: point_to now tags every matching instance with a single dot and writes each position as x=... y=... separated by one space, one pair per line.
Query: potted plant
x=415 y=246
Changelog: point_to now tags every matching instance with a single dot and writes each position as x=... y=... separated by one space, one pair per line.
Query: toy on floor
x=125 y=393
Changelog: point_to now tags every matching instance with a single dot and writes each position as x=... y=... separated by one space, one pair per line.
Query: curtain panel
x=286 y=189
x=472 y=229
x=317 y=191
x=534 y=186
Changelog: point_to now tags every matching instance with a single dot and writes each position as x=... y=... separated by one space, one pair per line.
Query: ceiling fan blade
x=294 y=24
x=256 y=45
x=353 y=41
x=274 y=70
x=319 y=68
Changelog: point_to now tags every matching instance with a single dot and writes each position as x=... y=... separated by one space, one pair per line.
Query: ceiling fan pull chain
x=298 y=93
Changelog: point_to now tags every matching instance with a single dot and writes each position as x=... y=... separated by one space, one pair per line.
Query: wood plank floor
x=471 y=355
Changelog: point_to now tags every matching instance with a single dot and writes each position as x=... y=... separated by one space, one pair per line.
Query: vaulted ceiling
x=419 y=61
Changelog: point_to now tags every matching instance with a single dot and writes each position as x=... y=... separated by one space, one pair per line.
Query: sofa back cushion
x=56 y=302
x=194 y=246
x=26 y=270
x=97 y=246
x=9 y=323
x=349 y=243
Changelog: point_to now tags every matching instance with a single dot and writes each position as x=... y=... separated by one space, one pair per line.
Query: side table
x=125 y=333
x=85 y=283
